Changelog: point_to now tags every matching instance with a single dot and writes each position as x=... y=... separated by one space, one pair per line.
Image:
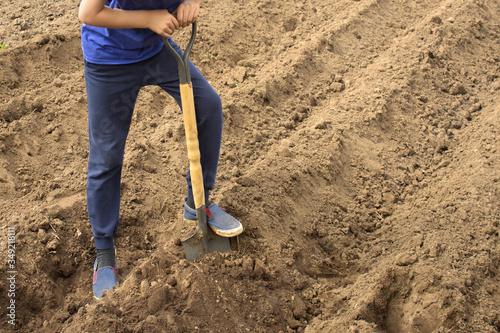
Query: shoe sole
x=222 y=233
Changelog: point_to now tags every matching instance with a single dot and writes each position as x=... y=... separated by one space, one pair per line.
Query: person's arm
x=96 y=13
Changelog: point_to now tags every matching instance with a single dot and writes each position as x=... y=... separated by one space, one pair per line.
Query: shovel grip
x=193 y=147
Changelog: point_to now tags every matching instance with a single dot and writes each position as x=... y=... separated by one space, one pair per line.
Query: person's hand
x=187 y=12
x=162 y=22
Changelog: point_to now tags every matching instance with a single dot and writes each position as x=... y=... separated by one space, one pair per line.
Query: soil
x=360 y=151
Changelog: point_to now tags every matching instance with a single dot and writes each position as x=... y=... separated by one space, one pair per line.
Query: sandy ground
x=360 y=151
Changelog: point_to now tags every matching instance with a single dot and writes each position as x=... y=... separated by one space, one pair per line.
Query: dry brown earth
x=360 y=150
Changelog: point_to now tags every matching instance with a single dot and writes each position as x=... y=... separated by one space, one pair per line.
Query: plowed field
x=360 y=151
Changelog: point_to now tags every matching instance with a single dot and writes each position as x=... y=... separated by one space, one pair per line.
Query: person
x=124 y=50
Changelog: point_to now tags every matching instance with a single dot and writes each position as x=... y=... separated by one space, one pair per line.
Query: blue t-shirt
x=124 y=46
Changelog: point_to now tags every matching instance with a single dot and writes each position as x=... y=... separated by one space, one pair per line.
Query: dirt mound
x=360 y=150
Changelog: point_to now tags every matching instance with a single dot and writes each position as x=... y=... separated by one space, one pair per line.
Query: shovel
x=203 y=240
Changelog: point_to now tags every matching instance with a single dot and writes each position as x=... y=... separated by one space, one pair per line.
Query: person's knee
x=211 y=105
x=216 y=102
x=104 y=161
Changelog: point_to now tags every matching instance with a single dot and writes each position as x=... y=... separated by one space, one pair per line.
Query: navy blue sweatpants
x=112 y=92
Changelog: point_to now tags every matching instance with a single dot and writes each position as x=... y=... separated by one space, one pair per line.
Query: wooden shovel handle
x=193 y=146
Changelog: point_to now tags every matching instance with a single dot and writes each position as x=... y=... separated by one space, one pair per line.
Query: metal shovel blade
x=204 y=240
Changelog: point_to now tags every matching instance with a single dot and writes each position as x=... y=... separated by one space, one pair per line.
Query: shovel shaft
x=193 y=147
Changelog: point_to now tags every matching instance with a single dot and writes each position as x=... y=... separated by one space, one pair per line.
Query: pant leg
x=208 y=108
x=111 y=93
